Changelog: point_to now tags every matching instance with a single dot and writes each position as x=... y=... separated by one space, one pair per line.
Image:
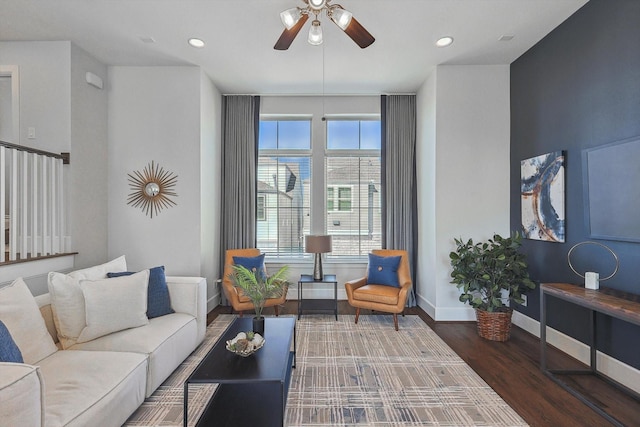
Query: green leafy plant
x=483 y=270
x=259 y=287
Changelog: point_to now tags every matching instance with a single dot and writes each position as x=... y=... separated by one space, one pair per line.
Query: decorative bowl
x=245 y=343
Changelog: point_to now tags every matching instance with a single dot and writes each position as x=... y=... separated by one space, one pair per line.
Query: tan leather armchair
x=388 y=299
x=235 y=296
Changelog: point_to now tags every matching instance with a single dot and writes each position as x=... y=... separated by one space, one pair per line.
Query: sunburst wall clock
x=152 y=189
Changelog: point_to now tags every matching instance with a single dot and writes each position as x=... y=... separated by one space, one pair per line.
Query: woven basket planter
x=494 y=326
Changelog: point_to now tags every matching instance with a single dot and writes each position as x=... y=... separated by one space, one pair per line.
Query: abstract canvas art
x=542 y=194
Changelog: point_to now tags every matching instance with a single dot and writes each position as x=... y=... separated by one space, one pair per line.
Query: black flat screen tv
x=612 y=190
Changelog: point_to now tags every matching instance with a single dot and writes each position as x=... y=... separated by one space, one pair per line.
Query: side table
x=306 y=280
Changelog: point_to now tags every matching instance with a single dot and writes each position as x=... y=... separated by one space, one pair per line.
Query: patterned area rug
x=366 y=375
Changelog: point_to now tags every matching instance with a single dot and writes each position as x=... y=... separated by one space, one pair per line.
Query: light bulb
x=315 y=33
x=341 y=17
x=444 y=41
x=317 y=4
x=290 y=17
x=197 y=43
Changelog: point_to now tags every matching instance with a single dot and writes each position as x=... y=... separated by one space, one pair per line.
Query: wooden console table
x=617 y=304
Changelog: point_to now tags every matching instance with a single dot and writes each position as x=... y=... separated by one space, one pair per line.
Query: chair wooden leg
x=240 y=313
x=395 y=320
x=275 y=307
x=357 y=314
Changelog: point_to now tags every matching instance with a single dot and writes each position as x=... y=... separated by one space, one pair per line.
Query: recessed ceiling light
x=196 y=42
x=444 y=41
x=506 y=37
x=147 y=39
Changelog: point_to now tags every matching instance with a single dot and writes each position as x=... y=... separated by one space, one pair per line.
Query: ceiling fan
x=295 y=18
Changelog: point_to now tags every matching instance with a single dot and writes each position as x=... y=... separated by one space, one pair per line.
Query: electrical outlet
x=524 y=303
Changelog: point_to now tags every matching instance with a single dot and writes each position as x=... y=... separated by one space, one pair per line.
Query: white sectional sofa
x=99 y=382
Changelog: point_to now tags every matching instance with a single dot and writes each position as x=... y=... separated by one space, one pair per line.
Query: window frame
x=287 y=153
x=318 y=153
x=356 y=153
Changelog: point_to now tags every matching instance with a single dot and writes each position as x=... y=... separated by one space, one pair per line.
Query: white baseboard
x=461 y=313
x=426 y=305
x=213 y=301
x=455 y=314
x=214 y=294
x=607 y=365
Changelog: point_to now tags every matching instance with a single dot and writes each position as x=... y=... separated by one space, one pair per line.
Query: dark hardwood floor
x=512 y=370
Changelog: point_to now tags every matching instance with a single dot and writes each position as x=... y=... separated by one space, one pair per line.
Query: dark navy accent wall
x=579 y=88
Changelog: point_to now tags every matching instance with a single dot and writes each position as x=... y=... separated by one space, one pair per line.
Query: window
x=284 y=167
x=352 y=176
x=339 y=199
x=347 y=169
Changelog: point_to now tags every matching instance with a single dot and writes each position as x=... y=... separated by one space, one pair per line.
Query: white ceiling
x=240 y=34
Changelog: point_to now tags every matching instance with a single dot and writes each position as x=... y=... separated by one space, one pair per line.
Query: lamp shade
x=290 y=17
x=341 y=17
x=317 y=244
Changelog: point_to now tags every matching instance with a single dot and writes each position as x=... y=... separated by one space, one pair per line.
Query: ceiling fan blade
x=359 y=34
x=287 y=36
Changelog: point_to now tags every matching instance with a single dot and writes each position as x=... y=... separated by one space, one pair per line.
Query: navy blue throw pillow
x=9 y=351
x=255 y=263
x=158 y=300
x=383 y=270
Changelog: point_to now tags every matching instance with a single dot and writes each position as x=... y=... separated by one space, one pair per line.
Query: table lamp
x=317 y=245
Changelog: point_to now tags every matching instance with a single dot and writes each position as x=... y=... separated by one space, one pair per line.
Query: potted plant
x=259 y=287
x=490 y=274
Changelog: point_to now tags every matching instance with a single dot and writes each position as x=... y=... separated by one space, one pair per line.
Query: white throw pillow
x=117 y=265
x=67 y=301
x=113 y=305
x=21 y=315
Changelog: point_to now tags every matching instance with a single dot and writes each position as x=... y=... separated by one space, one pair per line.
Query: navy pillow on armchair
x=158 y=300
x=252 y=263
x=383 y=270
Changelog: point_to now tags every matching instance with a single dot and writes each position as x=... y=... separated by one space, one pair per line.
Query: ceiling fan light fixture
x=290 y=17
x=315 y=33
x=295 y=18
x=317 y=4
x=341 y=17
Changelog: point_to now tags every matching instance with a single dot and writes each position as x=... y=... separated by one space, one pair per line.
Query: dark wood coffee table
x=252 y=391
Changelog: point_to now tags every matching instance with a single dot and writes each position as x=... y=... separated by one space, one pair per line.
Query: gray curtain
x=240 y=122
x=399 y=198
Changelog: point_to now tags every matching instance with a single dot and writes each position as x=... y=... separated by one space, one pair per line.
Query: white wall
x=88 y=169
x=68 y=116
x=211 y=189
x=170 y=115
x=6 y=107
x=154 y=114
x=471 y=191
x=425 y=285
x=44 y=69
